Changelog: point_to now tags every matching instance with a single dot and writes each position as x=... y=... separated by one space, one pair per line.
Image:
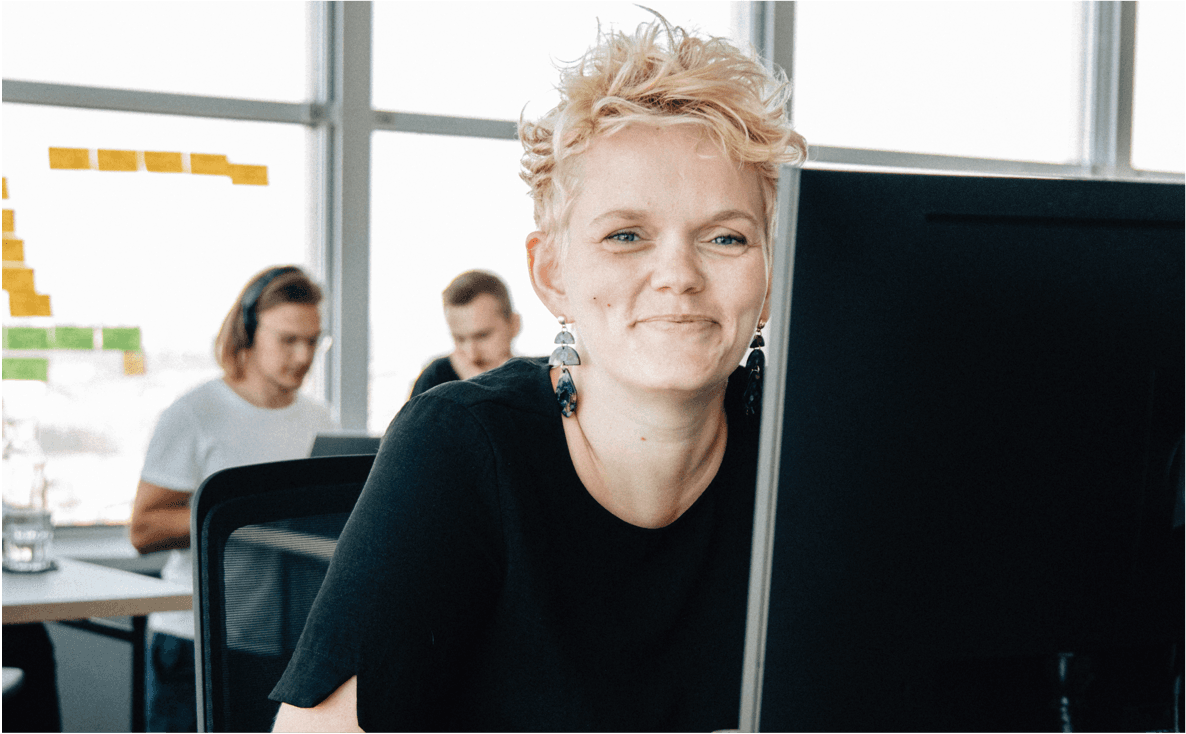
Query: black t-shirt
x=438 y=372
x=478 y=585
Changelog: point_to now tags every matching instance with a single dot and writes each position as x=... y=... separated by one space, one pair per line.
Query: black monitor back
x=980 y=446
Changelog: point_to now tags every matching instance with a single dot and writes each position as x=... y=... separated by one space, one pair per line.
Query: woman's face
x=663 y=277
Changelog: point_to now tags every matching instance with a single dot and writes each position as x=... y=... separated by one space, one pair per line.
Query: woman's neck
x=645 y=458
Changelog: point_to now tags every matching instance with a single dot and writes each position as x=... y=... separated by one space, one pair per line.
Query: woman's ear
x=543 y=265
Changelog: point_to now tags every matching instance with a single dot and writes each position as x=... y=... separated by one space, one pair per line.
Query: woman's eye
x=728 y=239
x=623 y=237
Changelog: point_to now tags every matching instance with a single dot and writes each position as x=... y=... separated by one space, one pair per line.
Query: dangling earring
x=563 y=356
x=755 y=364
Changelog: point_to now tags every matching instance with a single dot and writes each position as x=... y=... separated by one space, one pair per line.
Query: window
x=439 y=206
x=251 y=50
x=998 y=82
x=1159 y=88
x=159 y=256
x=510 y=50
x=975 y=79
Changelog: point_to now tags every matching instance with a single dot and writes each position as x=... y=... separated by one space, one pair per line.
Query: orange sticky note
x=28 y=304
x=134 y=363
x=18 y=280
x=159 y=162
x=14 y=250
x=70 y=158
x=9 y=221
x=252 y=175
x=210 y=165
x=117 y=160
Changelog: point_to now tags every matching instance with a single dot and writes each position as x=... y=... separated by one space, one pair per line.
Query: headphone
x=251 y=298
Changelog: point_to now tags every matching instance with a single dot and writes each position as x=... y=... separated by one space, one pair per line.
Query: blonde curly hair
x=660 y=76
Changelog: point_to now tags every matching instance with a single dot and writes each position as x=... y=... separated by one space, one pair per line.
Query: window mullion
x=348 y=208
x=1111 y=36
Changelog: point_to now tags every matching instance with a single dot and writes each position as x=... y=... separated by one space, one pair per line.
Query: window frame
x=340 y=114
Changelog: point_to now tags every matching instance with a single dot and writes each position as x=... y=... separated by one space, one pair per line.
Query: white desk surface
x=79 y=590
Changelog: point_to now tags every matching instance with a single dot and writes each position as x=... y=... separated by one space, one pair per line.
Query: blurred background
x=387 y=134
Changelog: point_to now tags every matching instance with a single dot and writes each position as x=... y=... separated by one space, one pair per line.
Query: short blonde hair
x=661 y=75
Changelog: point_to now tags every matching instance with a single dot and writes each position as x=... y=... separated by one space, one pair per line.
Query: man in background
x=253 y=414
x=483 y=324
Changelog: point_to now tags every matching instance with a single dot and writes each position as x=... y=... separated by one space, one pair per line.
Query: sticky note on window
x=9 y=221
x=27 y=303
x=14 y=250
x=117 y=160
x=69 y=158
x=18 y=279
x=211 y=165
x=17 y=368
x=127 y=339
x=134 y=363
x=5 y=181
x=74 y=337
x=23 y=337
x=159 y=162
x=251 y=175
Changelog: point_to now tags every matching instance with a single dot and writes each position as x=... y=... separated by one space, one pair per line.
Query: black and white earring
x=754 y=365
x=563 y=357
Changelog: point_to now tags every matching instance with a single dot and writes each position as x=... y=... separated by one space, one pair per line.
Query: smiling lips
x=677 y=320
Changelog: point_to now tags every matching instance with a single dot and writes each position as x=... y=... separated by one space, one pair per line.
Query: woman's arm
x=338 y=712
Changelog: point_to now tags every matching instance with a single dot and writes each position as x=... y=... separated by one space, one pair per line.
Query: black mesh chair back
x=262 y=536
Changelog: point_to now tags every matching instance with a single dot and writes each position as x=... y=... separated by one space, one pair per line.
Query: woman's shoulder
x=522 y=383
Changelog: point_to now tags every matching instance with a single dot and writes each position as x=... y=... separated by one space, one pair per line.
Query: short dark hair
x=473 y=283
x=290 y=285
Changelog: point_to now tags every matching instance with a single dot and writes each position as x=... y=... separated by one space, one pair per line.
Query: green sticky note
x=25 y=337
x=126 y=339
x=74 y=337
x=26 y=369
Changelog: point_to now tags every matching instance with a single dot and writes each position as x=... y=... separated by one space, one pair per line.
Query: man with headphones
x=253 y=414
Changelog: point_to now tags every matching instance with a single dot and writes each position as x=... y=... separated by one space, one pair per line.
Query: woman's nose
x=678 y=267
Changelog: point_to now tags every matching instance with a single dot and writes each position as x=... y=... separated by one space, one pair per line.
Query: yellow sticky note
x=18 y=280
x=253 y=175
x=70 y=158
x=14 y=250
x=117 y=160
x=9 y=221
x=5 y=187
x=28 y=304
x=159 y=162
x=134 y=363
x=210 y=165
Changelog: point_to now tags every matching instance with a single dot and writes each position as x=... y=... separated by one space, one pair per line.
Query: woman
x=568 y=547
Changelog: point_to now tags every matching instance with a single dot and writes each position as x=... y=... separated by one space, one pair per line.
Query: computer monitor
x=971 y=446
x=344 y=444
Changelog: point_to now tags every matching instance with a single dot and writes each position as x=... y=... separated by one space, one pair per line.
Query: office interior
x=374 y=144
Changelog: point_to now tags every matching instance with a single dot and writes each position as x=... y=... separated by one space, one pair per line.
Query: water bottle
x=28 y=527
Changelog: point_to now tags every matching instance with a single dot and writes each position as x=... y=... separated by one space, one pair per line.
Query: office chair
x=262 y=539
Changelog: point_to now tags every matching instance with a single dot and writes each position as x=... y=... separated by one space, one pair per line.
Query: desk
x=77 y=591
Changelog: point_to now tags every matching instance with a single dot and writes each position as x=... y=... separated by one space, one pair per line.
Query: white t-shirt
x=211 y=428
